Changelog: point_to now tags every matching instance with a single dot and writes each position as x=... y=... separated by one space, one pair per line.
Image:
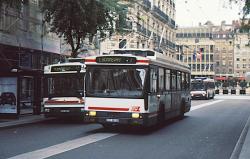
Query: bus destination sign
x=116 y=59
x=65 y=68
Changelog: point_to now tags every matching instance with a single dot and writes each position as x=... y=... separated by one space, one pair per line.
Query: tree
x=12 y=3
x=74 y=20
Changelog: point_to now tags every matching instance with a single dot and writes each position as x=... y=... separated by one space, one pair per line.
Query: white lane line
x=241 y=150
x=63 y=147
x=204 y=105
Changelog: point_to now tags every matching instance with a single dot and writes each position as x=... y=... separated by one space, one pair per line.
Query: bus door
x=164 y=96
x=153 y=100
x=167 y=92
x=174 y=93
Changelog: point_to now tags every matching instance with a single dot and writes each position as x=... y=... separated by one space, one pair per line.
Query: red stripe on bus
x=90 y=60
x=142 y=61
x=108 y=108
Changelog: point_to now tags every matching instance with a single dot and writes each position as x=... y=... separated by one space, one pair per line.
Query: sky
x=191 y=12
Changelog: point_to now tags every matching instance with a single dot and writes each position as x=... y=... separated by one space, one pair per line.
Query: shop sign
x=8 y=95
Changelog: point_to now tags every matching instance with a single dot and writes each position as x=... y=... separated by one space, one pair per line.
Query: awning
x=221 y=78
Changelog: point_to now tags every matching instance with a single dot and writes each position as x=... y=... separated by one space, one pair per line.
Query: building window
x=224 y=63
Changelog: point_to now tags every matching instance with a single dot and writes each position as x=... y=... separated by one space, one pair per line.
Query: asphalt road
x=210 y=132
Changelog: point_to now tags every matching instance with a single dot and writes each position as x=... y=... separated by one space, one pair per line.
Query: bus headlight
x=92 y=113
x=135 y=115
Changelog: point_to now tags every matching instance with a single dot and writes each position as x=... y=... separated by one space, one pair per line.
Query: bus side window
x=161 y=80
x=153 y=80
x=173 y=80
x=178 y=80
x=188 y=80
x=183 y=81
x=167 y=79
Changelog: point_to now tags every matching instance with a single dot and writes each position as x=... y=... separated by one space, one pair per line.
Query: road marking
x=205 y=105
x=63 y=147
x=233 y=97
x=238 y=152
x=76 y=143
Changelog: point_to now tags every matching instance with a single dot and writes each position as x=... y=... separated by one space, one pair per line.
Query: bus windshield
x=197 y=86
x=116 y=82
x=64 y=85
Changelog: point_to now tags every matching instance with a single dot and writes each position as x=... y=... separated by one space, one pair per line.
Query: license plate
x=113 y=120
x=65 y=111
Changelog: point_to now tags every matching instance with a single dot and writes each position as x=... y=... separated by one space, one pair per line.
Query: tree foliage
x=16 y=4
x=77 y=19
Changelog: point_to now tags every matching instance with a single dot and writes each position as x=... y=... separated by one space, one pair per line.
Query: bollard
x=242 y=91
x=217 y=91
x=225 y=91
x=233 y=91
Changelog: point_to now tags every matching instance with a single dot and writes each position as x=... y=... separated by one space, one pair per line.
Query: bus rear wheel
x=161 y=116
x=182 y=110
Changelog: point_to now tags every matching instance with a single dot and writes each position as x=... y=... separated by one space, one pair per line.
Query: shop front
x=21 y=80
x=18 y=95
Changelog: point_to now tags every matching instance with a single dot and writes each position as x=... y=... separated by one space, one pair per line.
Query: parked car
x=8 y=98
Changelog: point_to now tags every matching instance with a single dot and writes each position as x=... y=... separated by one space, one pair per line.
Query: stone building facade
x=150 y=24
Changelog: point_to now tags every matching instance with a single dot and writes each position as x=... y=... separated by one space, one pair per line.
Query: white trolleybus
x=202 y=88
x=64 y=90
x=135 y=87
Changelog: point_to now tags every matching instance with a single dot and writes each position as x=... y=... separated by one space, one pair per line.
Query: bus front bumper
x=63 y=112
x=117 y=118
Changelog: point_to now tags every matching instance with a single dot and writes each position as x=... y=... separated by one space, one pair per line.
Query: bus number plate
x=65 y=111
x=113 y=120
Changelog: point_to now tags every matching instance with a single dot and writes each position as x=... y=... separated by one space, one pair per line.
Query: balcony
x=172 y=24
x=147 y=4
x=142 y=29
x=161 y=14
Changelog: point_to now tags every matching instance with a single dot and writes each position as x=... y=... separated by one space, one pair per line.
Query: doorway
x=26 y=94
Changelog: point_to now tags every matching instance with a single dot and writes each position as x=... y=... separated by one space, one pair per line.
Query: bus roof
x=129 y=59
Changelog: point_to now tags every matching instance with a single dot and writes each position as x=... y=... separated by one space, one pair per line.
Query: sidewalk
x=23 y=120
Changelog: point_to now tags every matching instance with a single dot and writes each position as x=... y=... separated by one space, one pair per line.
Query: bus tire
x=46 y=116
x=182 y=110
x=212 y=96
x=161 y=116
x=109 y=126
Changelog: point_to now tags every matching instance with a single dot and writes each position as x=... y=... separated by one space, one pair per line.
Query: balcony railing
x=147 y=3
x=161 y=14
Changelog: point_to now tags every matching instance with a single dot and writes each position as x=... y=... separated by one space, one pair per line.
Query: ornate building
x=150 y=24
x=196 y=48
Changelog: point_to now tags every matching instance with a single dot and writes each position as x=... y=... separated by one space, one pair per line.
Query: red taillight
x=142 y=61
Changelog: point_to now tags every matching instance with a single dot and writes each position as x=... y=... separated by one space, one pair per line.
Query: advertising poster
x=8 y=95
